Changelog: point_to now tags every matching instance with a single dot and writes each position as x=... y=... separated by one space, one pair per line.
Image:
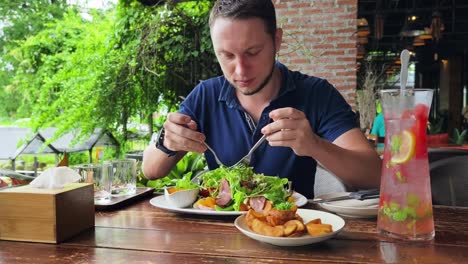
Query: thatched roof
x=16 y=141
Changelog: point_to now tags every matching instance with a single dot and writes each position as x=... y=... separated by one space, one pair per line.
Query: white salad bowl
x=182 y=198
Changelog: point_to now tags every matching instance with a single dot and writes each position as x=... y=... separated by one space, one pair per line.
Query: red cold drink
x=405 y=208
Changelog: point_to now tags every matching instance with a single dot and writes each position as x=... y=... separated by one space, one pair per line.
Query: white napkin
x=55 y=178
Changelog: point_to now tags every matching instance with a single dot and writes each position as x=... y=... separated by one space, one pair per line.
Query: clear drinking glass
x=100 y=175
x=405 y=208
x=124 y=176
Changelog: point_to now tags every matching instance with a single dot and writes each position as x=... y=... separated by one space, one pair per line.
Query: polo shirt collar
x=287 y=82
x=228 y=94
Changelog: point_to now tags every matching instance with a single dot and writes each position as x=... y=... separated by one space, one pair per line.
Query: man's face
x=245 y=51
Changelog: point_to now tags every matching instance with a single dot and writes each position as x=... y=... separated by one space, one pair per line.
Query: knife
x=359 y=195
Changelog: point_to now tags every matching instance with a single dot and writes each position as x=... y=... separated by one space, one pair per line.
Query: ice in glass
x=405 y=207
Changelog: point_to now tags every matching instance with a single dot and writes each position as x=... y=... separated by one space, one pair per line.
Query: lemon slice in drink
x=403 y=146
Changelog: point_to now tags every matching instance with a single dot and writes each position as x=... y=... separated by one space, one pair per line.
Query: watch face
x=161 y=135
x=160 y=144
x=160 y=139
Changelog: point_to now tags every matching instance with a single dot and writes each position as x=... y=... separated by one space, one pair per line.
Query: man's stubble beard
x=261 y=86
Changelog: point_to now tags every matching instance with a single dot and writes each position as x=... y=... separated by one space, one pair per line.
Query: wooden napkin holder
x=46 y=215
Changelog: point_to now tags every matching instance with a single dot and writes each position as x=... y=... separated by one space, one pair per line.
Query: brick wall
x=319 y=39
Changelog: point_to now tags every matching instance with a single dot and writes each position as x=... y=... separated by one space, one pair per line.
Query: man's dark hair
x=244 y=9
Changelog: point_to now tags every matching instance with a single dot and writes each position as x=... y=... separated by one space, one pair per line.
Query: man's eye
x=227 y=56
x=252 y=53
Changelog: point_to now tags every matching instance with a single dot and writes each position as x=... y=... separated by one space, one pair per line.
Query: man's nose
x=242 y=66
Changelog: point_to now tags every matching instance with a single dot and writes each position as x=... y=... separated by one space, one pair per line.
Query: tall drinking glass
x=405 y=208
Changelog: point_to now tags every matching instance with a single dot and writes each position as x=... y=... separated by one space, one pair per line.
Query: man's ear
x=278 y=39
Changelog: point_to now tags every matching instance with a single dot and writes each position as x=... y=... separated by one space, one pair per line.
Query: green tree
x=168 y=52
x=124 y=64
x=58 y=69
x=21 y=19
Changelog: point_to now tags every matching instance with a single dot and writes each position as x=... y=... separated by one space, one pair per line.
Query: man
x=378 y=129
x=304 y=118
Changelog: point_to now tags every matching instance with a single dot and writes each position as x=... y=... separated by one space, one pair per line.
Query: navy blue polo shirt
x=230 y=131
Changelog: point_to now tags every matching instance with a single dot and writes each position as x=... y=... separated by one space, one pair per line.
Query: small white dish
x=351 y=208
x=299 y=199
x=180 y=199
x=307 y=215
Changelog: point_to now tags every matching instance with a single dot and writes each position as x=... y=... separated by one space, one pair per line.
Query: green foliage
x=78 y=158
x=435 y=126
x=26 y=18
x=56 y=74
x=170 y=52
x=459 y=138
x=186 y=182
x=127 y=63
x=189 y=165
x=20 y=20
x=439 y=124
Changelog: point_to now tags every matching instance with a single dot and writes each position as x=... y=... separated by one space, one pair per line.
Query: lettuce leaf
x=186 y=183
x=270 y=187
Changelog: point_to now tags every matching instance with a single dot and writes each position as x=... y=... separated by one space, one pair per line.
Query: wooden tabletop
x=141 y=233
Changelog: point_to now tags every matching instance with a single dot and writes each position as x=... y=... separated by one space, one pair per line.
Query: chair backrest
x=327 y=182
x=436 y=154
x=449 y=181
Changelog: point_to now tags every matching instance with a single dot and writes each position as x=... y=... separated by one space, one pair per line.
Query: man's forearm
x=156 y=164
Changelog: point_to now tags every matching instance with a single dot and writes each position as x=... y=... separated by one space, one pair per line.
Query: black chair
x=436 y=154
x=449 y=181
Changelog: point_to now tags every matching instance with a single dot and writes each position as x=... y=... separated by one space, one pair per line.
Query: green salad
x=245 y=184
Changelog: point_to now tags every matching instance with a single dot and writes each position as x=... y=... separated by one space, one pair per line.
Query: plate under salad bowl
x=162 y=203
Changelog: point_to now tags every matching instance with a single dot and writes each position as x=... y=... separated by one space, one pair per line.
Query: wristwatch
x=160 y=144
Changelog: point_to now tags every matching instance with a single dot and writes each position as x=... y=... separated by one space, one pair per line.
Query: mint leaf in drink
x=410 y=212
x=412 y=200
x=399 y=215
x=400 y=177
x=396 y=144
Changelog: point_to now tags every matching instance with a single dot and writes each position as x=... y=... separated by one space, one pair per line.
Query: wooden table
x=141 y=233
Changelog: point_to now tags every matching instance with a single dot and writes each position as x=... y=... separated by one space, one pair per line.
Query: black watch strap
x=160 y=144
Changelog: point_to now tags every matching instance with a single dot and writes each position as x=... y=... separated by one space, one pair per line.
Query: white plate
x=351 y=208
x=299 y=199
x=160 y=202
x=327 y=218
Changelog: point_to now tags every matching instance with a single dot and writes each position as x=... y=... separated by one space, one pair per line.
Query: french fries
x=294 y=227
x=319 y=229
x=316 y=228
x=263 y=228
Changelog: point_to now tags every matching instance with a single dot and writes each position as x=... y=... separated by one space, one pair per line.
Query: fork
x=218 y=161
x=245 y=161
x=359 y=195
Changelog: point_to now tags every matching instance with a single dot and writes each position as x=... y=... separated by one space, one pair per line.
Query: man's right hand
x=181 y=134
